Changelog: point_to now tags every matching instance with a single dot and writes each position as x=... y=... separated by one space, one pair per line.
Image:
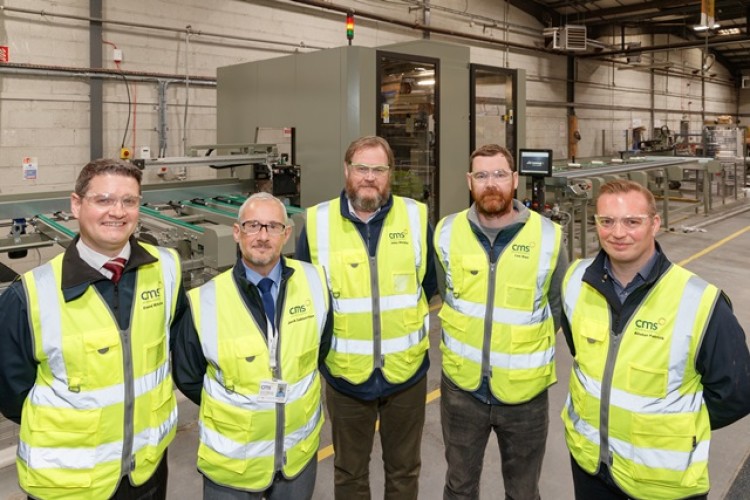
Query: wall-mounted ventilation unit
x=570 y=37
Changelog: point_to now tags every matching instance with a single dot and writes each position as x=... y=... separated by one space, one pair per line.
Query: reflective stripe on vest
x=88 y=458
x=527 y=330
x=389 y=346
x=500 y=359
x=256 y=449
x=650 y=457
x=657 y=429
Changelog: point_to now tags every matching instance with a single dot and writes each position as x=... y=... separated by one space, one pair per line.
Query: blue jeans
x=521 y=432
x=299 y=487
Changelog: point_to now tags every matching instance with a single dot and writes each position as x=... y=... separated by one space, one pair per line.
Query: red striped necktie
x=115 y=266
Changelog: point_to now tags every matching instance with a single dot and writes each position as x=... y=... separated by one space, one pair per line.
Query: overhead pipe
x=96 y=90
x=129 y=24
x=419 y=26
x=101 y=73
x=690 y=44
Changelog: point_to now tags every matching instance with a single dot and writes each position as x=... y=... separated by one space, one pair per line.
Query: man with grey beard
x=377 y=252
x=503 y=268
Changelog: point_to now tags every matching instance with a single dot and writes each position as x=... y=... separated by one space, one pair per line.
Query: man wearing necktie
x=248 y=355
x=84 y=352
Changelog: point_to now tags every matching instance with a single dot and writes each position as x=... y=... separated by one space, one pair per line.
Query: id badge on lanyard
x=272 y=391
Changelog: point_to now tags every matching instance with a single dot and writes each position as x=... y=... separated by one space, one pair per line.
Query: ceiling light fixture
x=705 y=27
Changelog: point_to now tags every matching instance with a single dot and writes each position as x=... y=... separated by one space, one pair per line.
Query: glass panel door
x=408 y=121
x=492 y=120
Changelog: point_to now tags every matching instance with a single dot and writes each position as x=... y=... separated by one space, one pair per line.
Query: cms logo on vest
x=522 y=251
x=300 y=308
x=151 y=294
x=649 y=325
x=517 y=247
x=398 y=237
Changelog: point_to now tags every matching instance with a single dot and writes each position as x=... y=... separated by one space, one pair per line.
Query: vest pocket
x=518 y=297
x=356 y=274
x=471 y=275
x=103 y=352
x=163 y=403
x=662 y=449
x=455 y=325
x=646 y=381
x=307 y=360
x=155 y=354
x=59 y=436
x=246 y=361
x=224 y=447
x=529 y=349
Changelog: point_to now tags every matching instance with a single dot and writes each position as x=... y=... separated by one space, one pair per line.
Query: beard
x=367 y=203
x=258 y=259
x=494 y=203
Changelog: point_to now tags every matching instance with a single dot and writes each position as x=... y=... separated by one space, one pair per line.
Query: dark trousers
x=299 y=487
x=521 y=432
x=153 y=489
x=601 y=486
x=353 y=430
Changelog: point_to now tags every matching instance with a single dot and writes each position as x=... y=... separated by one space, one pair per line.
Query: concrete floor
x=719 y=255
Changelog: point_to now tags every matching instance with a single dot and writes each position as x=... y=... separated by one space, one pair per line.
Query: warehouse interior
x=217 y=100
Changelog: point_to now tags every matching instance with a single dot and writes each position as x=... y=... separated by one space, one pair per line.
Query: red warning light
x=350 y=27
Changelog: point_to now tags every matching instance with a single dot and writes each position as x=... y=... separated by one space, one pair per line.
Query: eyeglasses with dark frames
x=254 y=227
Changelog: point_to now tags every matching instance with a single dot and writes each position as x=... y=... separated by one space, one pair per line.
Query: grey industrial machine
x=194 y=217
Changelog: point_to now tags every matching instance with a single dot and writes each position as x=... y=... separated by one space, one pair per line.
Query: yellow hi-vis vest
x=381 y=316
x=496 y=318
x=243 y=441
x=636 y=399
x=102 y=407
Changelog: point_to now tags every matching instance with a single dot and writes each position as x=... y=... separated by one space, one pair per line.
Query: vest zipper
x=279 y=452
x=605 y=455
x=128 y=458
x=488 y=310
x=378 y=360
x=377 y=354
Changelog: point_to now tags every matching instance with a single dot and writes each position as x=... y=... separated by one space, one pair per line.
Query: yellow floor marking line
x=713 y=247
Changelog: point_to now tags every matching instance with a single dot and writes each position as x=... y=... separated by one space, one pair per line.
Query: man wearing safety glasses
x=84 y=352
x=377 y=253
x=503 y=267
x=248 y=354
x=660 y=361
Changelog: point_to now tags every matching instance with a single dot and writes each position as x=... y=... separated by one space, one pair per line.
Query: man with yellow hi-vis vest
x=84 y=352
x=659 y=361
x=377 y=253
x=248 y=354
x=503 y=266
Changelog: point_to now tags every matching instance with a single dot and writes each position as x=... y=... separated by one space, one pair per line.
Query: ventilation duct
x=570 y=37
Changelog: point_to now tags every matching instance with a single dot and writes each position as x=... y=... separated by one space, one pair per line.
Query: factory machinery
x=682 y=185
x=193 y=217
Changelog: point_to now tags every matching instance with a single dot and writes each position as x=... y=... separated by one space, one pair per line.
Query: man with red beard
x=503 y=268
x=377 y=252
